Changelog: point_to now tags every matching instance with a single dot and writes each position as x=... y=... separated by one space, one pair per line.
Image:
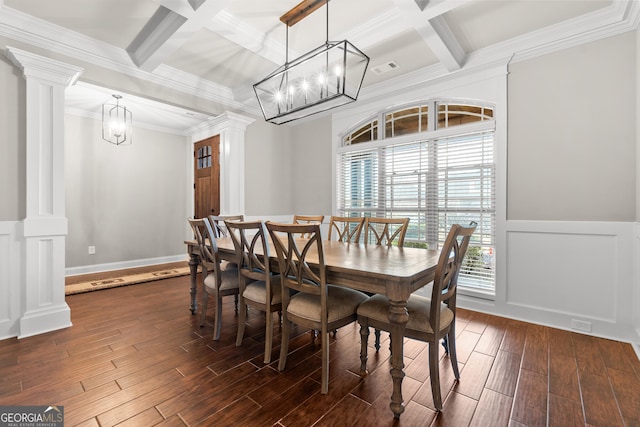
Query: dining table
x=389 y=270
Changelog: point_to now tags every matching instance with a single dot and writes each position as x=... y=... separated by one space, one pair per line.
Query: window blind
x=436 y=182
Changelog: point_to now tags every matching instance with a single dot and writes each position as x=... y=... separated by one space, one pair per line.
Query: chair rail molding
x=43 y=232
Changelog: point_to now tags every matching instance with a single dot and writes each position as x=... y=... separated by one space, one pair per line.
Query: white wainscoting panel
x=561 y=272
x=9 y=280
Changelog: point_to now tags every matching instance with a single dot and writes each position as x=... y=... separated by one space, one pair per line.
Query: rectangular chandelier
x=326 y=77
x=116 y=122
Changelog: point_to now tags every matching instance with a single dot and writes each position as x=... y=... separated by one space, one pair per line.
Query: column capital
x=44 y=68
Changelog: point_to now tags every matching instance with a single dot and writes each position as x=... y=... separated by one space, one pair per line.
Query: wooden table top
x=396 y=272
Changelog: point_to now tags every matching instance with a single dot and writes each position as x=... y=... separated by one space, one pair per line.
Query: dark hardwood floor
x=135 y=356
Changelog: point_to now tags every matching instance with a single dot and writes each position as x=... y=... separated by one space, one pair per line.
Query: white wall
x=125 y=200
x=636 y=281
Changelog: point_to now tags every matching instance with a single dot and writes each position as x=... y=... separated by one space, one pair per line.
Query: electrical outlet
x=581 y=326
x=92 y=250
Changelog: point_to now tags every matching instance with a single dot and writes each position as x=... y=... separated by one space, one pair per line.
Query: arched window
x=433 y=162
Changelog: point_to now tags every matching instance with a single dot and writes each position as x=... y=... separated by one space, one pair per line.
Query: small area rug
x=124 y=280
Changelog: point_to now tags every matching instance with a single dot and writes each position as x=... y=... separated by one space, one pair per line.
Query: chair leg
x=268 y=336
x=241 y=321
x=434 y=374
x=217 y=322
x=445 y=344
x=235 y=300
x=377 y=343
x=364 y=342
x=284 y=344
x=325 y=362
x=453 y=357
x=203 y=312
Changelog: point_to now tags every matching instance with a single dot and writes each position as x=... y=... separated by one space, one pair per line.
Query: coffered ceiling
x=217 y=49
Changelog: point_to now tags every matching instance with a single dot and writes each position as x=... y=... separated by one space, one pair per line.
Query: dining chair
x=429 y=319
x=310 y=302
x=347 y=229
x=220 y=230
x=259 y=288
x=388 y=232
x=385 y=231
x=308 y=219
x=218 y=223
x=216 y=282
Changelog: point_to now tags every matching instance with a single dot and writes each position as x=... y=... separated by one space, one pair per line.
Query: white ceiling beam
x=248 y=37
x=169 y=28
x=433 y=29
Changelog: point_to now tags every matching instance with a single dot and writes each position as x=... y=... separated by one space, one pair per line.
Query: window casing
x=437 y=176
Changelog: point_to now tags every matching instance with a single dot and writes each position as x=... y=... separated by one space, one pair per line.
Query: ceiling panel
x=407 y=50
x=214 y=58
x=227 y=45
x=115 y=22
x=480 y=24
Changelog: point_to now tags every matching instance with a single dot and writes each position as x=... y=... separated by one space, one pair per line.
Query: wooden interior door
x=206 y=181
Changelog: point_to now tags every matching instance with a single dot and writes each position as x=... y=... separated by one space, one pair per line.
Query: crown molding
x=218 y=123
x=33 y=65
x=79 y=112
x=56 y=39
x=621 y=16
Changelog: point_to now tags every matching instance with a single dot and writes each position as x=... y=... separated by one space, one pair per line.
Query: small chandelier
x=116 y=123
x=326 y=77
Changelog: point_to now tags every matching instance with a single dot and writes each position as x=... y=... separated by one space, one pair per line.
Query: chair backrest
x=292 y=252
x=385 y=231
x=209 y=256
x=252 y=248
x=347 y=229
x=218 y=225
x=445 y=283
x=308 y=219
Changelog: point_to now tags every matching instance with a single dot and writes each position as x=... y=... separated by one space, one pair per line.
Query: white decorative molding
x=560 y=271
x=121 y=265
x=39 y=67
x=40 y=33
x=44 y=229
x=10 y=268
x=620 y=17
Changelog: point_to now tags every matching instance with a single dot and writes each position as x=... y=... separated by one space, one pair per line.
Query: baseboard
x=99 y=268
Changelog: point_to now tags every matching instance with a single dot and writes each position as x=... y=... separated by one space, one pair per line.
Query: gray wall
x=128 y=201
x=288 y=168
x=12 y=142
x=268 y=171
x=312 y=186
x=571 y=150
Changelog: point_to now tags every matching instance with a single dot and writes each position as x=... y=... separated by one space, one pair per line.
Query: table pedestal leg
x=398 y=317
x=193 y=266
